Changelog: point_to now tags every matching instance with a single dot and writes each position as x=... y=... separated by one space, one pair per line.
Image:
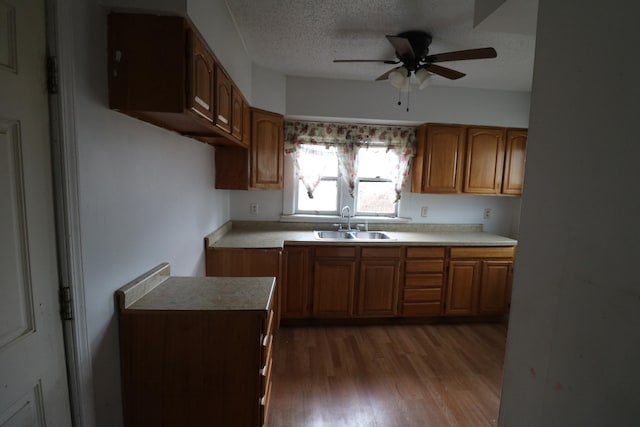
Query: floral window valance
x=348 y=138
x=330 y=134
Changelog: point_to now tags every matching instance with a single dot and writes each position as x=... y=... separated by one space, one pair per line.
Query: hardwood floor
x=409 y=375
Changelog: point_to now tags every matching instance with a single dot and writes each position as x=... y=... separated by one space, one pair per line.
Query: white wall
x=269 y=89
x=442 y=209
x=574 y=343
x=213 y=20
x=378 y=101
x=146 y=196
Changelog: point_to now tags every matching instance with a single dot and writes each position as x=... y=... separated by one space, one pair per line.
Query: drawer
x=423 y=280
x=265 y=375
x=483 y=252
x=266 y=349
x=425 y=252
x=423 y=295
x=269 y=330
x=424 y=266
x=421 y=309
x=385 y=252
x=336 y=251
x=264 y=404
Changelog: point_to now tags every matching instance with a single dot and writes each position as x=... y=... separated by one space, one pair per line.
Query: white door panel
x=33 y=385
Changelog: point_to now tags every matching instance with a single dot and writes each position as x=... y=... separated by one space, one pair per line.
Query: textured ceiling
x=302 y=37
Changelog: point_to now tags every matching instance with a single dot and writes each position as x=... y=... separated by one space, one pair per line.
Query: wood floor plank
x=385 y=376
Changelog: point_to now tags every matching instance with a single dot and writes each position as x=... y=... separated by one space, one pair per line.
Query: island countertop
x=276 y=235
x=158 y=290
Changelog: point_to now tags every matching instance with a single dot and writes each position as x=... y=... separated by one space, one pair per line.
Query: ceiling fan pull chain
x=399 y=97
x=408 y=97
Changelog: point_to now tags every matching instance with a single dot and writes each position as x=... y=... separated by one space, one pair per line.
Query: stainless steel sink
x=371 y=235
x=350 y=235
x=334 y=235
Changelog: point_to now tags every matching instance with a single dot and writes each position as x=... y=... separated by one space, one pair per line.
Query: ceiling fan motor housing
x=419 y=41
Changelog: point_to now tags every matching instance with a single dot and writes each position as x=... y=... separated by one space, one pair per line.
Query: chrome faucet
x=348 y=215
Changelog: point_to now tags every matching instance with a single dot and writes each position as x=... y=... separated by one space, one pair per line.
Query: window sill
x=338 y=219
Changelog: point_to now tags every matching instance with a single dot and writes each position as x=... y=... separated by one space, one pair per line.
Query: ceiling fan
x=412 y=51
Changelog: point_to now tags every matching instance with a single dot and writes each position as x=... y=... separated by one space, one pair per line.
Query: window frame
x=292 y=187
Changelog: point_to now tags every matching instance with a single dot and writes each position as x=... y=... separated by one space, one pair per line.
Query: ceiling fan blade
x=385 y=61
x=461 y=55
x=403 y=47
x=385 y=76
x=444 y=72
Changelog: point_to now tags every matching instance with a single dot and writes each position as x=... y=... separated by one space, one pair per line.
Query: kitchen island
x=196 y=350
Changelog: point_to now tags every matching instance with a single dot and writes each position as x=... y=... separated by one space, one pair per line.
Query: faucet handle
x=363 y=227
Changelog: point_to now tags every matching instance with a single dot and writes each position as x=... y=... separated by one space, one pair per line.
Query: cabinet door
x=495 y=285
x=201 y=78
x=378 y=288
x=295 y=283
x=439 y=160
x=267 y=150
x=223 y=100
x=514 y=161
x=462 y=288
x=484 y=160
x=237 y=114
x=333 y=284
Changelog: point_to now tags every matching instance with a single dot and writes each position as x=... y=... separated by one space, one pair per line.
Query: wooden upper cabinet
x=237 y=113
x=261 y=165
x=201 y=64
x=267 y=150
x=438 y=165
x=514 y=161
x=223 y=100
x=469 y=159
x=246 y=124
x=161 y=71
x=484 y=160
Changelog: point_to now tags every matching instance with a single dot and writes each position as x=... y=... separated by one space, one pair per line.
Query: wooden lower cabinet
x=463 y=287
x=194 y=366
x=378 y=283
x=246 y=262
x=355 y=282
x=495 y=287
x=295 y=293
x=423 y=281
x=350 y=282
x=479 y=281
x=334 y=278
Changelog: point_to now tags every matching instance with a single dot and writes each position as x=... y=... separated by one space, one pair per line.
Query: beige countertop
x=276 y=235
x=158 y=290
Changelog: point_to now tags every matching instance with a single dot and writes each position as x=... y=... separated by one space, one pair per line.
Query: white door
x=33 y=382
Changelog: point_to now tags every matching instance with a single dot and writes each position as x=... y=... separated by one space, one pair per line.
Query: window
x=340 y=164
x=374 y=192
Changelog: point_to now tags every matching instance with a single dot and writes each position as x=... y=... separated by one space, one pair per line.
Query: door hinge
x=52 y=75
x=66 y=308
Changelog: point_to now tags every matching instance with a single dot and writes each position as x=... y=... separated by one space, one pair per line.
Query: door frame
x=60 y=45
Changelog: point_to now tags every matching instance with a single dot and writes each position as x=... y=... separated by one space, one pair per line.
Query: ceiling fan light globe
x=398 y=77
x=423 y=77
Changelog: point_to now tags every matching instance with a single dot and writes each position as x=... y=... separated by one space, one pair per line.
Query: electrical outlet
x=487 y=213
x=424 y=211
x=253 y=208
